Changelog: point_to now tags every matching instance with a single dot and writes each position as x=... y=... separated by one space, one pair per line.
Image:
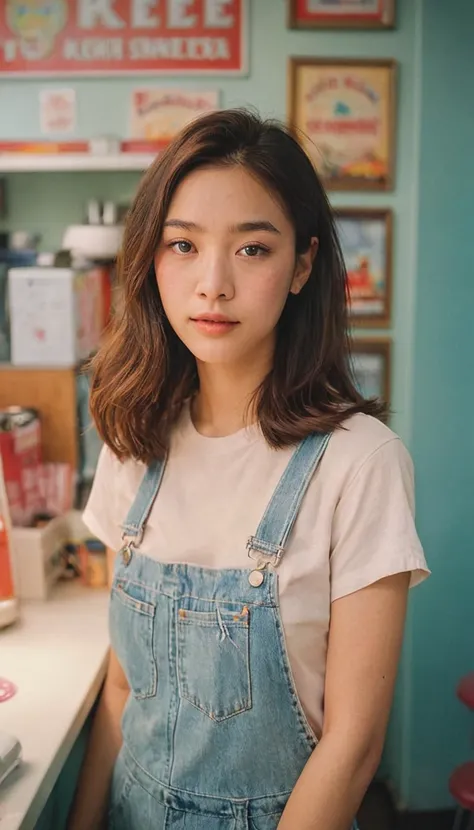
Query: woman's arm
x=89 y=811
x=365 y=638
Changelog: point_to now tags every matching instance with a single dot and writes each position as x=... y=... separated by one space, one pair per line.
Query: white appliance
x=94 y=242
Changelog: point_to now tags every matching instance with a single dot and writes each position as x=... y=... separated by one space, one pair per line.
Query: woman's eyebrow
x=181 y=223
x=242 y=227
x=259 y=225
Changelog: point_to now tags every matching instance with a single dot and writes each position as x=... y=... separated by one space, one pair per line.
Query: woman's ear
x=304 y=264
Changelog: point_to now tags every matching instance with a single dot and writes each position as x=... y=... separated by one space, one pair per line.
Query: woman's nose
x=216 y=279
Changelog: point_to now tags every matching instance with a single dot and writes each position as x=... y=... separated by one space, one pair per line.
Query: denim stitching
x=148 y=490
x=307 y=732
x=190 y=793
x=161 y=592
x=142 y=607
x=268 y=518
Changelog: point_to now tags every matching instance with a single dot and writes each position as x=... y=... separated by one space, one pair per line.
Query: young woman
x=261 y=511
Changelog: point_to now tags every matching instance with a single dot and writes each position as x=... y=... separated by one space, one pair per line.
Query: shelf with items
x=73 y=162
x=100 y=154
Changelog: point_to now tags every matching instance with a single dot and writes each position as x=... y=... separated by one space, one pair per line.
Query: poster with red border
x=348 y=14
x=123 y=37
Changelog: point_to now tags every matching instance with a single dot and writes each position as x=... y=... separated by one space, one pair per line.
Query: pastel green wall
x=442 y=631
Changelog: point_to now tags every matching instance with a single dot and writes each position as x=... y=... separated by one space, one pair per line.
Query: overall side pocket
x=132 y=621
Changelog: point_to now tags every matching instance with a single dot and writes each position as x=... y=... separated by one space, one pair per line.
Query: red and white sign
x=80 y=37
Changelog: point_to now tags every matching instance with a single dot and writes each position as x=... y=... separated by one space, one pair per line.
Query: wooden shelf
x=72 y=162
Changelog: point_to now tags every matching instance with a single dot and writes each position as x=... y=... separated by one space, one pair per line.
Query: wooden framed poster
x=365 y=236
x=371 y=363
x=344 y=14
x=343 y=112
x=123 y=37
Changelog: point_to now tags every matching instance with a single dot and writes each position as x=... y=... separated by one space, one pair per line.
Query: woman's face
x=225 y=266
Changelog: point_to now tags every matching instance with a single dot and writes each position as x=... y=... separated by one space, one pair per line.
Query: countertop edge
x=43 y=792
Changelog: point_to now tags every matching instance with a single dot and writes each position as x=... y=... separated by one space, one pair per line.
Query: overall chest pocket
x=213 y=661
x=132 y=621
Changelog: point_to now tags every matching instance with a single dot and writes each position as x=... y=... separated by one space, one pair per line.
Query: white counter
x=56 y=656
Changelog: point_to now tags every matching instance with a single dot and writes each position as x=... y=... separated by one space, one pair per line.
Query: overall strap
x=279 y=517
x=137 y=517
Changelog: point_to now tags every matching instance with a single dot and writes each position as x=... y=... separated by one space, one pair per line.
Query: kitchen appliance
x=97 y=243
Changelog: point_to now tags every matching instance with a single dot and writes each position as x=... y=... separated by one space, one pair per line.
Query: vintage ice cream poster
x=90 y=37
x=344 y=113
x=158 y=114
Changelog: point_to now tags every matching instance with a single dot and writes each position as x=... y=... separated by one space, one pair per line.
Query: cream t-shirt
x=355 y=525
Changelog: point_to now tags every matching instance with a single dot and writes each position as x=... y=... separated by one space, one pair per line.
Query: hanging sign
x=80 y=37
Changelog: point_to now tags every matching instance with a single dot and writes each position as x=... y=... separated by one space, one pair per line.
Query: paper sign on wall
x=158 y=113
x=57 y=111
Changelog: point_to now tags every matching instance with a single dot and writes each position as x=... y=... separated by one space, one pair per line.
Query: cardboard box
x=37 y=553
x=56 y=315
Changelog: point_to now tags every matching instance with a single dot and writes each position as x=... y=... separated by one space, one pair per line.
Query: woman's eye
x=254 y=250
x=181 y=246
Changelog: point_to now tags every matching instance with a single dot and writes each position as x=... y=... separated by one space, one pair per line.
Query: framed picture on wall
x=371 y=361
x=365 y=235
x=344 y=14
x=343 y=112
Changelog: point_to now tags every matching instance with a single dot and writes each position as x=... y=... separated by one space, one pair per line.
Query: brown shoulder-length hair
x=143 y=373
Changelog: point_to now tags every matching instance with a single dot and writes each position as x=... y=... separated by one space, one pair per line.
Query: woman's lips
x=217 y=326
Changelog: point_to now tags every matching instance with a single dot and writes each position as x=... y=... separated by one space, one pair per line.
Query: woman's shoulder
x=115 y=472
x=364 y=443
x=364 y=432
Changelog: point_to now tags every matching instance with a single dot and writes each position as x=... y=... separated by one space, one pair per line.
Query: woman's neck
x=221 y=407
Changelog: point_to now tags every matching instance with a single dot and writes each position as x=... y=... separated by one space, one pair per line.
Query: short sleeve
x=101 y=513
x=374 y=534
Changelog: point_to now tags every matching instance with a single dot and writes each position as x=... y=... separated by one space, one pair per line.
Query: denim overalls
x=214 y=736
